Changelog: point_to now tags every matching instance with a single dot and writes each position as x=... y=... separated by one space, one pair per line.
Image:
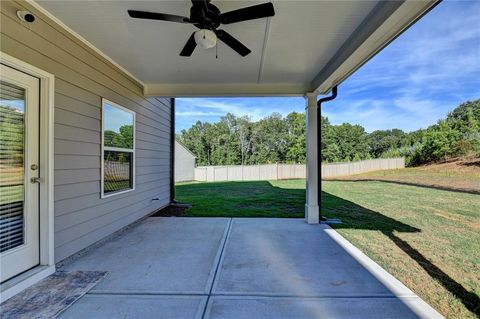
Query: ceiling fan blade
x=189 y=46
x=232 y=42
x=249 y=13
x=157 y=16
x=200 y=1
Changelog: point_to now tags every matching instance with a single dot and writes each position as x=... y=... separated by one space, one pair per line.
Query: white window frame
x=109 y=148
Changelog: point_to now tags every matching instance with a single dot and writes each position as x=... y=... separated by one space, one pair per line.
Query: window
x=118 y=149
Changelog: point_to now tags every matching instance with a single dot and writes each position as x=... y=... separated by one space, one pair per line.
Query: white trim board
x=47 y=247
x=37 y=6
x=225 y=89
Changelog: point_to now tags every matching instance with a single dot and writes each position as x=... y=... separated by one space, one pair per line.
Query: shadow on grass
x=242 y=199
x=443 y=188
x=354 y=216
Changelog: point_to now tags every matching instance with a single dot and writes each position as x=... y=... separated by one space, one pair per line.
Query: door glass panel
x=12 y=145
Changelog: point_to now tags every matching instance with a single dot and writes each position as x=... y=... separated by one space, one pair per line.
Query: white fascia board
x=220 y=89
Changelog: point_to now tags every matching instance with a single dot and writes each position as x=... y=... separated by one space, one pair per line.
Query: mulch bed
x=171 y=211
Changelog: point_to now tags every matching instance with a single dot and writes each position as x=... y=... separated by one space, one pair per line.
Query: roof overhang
x=308 y=46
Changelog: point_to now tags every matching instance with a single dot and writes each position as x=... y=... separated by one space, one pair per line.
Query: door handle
x=34 y=180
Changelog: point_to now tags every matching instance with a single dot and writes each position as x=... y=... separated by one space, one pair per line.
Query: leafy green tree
x=270 y=140
x=124 y=139
x=12 y=136
x=296 y=138
x=244 y=135
x=351 y=140
x=238 y=140
x=381 y=141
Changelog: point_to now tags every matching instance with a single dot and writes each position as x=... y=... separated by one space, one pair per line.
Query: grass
x=455 y=175
x=9 y=194
x=426 y=237
x=246 y=199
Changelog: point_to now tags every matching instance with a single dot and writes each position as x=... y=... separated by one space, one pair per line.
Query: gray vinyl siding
x=82 y=79
x=184 y=163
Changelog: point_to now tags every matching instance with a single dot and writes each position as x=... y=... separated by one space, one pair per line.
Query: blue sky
x=115 y=118
x=415 y=81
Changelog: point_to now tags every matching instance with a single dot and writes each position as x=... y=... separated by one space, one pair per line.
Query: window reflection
x=118 y=126
x=117 y=171
x=12 y=146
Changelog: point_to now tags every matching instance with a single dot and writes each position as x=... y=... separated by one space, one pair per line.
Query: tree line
x=237 y=140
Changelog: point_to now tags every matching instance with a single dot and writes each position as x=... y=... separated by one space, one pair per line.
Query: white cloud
x=207 y=107
x=405 y=112
x=441 y=52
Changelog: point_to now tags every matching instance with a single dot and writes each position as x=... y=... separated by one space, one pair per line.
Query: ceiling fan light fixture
x=205 y=38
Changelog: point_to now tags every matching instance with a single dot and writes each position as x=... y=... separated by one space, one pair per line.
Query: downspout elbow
x=328 y=98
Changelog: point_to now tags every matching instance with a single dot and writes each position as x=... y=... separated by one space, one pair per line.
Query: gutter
x=172 y=151
x=319 y=148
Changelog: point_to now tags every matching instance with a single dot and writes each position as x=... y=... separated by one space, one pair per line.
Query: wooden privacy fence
x=290 y=171
x=249 y=172
x=352 y=168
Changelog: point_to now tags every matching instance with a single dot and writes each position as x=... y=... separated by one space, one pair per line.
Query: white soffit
x=306 y=46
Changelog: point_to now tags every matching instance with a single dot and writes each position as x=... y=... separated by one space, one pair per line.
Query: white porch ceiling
x=294 y=52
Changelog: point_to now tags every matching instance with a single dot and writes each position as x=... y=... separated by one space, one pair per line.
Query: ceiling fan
x=207 y=17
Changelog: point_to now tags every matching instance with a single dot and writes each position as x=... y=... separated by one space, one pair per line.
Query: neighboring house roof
x=186 y=148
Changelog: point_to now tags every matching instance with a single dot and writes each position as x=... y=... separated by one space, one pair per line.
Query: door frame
x=46 y=163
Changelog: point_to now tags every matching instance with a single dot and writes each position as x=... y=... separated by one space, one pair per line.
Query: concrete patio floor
x=238 y=268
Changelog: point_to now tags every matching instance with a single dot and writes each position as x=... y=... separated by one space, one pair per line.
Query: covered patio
x=85 y=57
x=237 y=268
x=306 y=48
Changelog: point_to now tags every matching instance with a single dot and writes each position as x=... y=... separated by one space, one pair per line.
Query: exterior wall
x=290 y=171
x=184 y=164
x=82 y=78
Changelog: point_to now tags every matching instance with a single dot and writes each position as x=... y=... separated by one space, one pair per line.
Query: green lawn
x=447 y=179
x=9 y=194
x=428 y=238
x=245 y=199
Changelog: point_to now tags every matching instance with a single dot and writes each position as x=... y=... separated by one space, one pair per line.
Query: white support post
x=311 y=206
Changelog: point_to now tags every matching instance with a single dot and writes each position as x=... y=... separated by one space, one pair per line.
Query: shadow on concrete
x=354 y=216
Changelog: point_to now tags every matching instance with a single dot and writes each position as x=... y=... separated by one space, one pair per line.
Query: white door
x=19 y=172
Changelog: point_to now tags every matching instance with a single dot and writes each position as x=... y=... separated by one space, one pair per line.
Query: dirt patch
x=474 y=225
x=171 y=211
x=461 y=175
x=457 y=165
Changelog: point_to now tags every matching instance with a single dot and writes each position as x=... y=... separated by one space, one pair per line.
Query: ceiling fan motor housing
x=206 y=38
x=205 y=15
